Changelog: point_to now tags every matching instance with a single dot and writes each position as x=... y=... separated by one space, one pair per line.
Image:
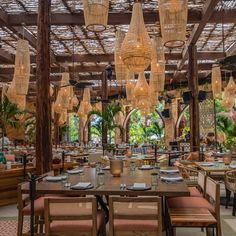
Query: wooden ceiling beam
x=207 y=11
x=194 y=16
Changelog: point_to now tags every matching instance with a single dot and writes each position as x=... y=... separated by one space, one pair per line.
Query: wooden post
x=104 y=104
x=193 y=106
x=56 y=120
x=127 y=128
x=43 y=103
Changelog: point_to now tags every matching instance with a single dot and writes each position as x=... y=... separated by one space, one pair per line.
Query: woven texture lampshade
x=20 y=100
x=22 y=67
x=141 y=89
x=98 y=106
x=228 y=100
x=173 y=19
x=63 y=117
x=129 y=86
x=216 y=81
x=96 y=14
x=120 y=68
x=136 y=47
x=231 y=86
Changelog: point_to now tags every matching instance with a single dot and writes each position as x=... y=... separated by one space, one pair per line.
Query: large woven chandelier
x=120 y=68
x=173 y=18
x=22 y=67
x=216 y=81
x=136 y=48
x=96 y=14
x=85 y=105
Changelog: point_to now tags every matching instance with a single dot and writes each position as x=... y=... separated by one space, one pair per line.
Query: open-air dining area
x=118 y=117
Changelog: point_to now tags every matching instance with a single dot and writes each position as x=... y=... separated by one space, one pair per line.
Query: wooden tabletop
x=112 y=185
x=217 y=167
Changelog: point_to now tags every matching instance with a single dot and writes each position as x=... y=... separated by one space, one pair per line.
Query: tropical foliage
x=8 y=113
x=107 y=119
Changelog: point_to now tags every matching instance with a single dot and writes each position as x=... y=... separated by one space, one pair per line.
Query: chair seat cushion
x=194 y=192
x=190 y=202
x=135 y=225
x=76 y=225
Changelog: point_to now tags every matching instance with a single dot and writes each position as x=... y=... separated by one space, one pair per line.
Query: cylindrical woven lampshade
x=136 y=47
x=96 y=14
x=216 y=81
x=141 y=89
x=75 y=101
x=129 y=86
x=173 y=19
x=20 y=100
x=120 y=68
x=81 y=111
x=65 y=77
x=22 y=67
x=98 y=106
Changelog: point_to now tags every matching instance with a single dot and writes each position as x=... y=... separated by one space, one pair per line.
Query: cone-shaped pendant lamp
x=136 y=47
x=173 y=19
x=22 y=67
x=231 y=86
x=120 y=68
x=129 y=86
x=141 y=89
x=228 y=100
x=96 y=14
x=216 y=81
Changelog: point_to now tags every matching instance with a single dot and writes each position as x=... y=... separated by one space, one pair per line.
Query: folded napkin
x=55 y=178
x=106 y=168
x=232 y=165
x=139 y=186
x=75 y=171
x=171 y=179
x=207 y=164
x=170 y=171
x=81 y=185
x=145 y=167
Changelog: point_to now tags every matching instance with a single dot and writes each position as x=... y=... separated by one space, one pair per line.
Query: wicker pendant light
x=87 y=107
x=228 y=100
x=75 y=101
x=136 y=47
x=96 y=14
x=98 y=106
x=81 y=109
x=129 y=86
x=141 y=89
x=216 y=81
x=231 y=86
x=63 y=117
x=22 y=67
x=173 y=19
x=120 y=67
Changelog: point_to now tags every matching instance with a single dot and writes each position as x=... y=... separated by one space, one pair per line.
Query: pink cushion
x=76 y=225
x=10 y=157
x=190 y=202
x=194 y=192
x=137 y=225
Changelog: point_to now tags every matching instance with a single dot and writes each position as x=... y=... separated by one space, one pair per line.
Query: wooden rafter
x=207 y=11
x=194 y=17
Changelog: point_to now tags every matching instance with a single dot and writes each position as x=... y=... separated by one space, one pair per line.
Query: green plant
x=108 y=118
x=8 y=113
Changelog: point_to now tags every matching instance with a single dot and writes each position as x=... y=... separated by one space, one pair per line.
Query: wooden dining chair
x=73 y=217
x=208 y=206
x=230 y=186
x=129 y=216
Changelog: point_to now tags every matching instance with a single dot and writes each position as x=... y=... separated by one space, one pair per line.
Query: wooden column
x=127 y=128
x=193 y=106
x=104 y=104
x=56 y=120
x=43 y=104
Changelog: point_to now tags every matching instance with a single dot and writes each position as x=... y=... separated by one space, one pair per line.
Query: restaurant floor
x=8 y=222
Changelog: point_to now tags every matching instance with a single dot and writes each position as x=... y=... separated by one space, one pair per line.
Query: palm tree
x=8 y=112
x=108 y=118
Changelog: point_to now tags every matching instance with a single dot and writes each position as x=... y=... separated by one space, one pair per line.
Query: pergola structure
x=59 y=41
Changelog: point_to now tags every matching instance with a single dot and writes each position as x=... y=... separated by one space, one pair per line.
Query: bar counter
x=9 y=179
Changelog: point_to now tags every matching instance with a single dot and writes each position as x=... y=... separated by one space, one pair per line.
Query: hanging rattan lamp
x=136 y=47
x=96 y=14
x=141 y=89
x=22 y=67
x=120 y=68
x=228 y=100
x=129 y=86
x=231 y=86
x=216 y=81
x=173 y=19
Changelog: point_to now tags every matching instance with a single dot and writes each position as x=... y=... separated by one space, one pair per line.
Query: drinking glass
x=98 y=166
x=101 y=178
x=154 y=179
x=132 y=165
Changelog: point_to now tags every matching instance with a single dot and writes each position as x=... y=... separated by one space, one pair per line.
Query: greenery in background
x=107 y=118
x=74 y=128
x=8 y=113
x=30 y=129
x=148 y=129
x=96 y=129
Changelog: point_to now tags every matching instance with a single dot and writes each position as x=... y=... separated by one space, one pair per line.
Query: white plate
x=76 y=171
x=55 y=178
x=169 y=171
x=172 y=179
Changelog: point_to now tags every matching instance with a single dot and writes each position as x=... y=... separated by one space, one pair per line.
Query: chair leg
x=228 y=194
x=234 y=205
x=20 y=224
